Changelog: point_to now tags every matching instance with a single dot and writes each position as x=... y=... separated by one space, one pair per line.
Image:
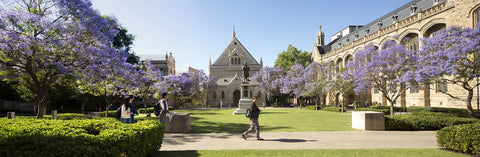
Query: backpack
x=248 y=113
x=156 y=109
x=119 y=113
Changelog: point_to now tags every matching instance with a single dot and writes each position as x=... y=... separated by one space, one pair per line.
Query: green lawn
x=316 y=152
x=271 y=120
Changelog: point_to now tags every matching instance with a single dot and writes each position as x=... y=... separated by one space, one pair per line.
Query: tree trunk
x=426 y=95
x=42 y=101
x=41 y=109
x=469 y=103
x=403 y=96
x=83 y=106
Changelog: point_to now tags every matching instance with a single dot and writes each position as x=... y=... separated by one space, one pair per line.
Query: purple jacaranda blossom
x=48 y=39
x=451 y=55
x=380 y=69
x=266 y=77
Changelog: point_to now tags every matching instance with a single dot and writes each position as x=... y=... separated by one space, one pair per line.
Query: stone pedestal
x=245 y=99
x=180 y=123
x=368 y=120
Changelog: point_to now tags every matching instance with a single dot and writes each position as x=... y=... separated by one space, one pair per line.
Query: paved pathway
x=303 y=140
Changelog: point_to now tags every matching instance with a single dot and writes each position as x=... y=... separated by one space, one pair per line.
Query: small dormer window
x=436 y=1
x=348 y=39
x=379 y=24
x=339 y=44
x=356 y=35
x=367 y=30
x=413 y=9
x=235 y=43
x=394 y=18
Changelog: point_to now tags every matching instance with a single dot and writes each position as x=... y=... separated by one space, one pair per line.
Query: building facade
x=414 y=20
x=227 y=70
x=166 y=64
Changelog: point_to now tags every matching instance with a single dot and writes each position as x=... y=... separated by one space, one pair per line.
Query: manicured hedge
x=89 y=137
x=395 y=109
x=312 y=107
x=464 y=138
x=424 y=122
x=456 y=111
x=142 y=110
x=111 y=113
x=385 y=111
x=334 y=109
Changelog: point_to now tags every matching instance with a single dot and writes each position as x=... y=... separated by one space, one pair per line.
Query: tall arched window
x=411 y=42
x=476 y=17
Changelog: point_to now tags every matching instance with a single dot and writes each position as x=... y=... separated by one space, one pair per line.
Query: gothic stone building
x=227 y=70
x=166 y=64
x=414 y=20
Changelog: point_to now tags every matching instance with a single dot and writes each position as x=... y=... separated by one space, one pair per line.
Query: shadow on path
x=192 y=153
x=290 y=140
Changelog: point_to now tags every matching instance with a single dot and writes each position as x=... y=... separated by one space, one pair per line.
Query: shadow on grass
x=270 y=112
x=188 y=153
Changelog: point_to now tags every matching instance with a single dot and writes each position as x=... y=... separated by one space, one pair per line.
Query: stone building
x=414 y=20
x=166 y=64
x=227 y=70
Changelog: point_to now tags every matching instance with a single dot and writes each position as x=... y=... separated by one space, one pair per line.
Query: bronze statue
x=246 y=70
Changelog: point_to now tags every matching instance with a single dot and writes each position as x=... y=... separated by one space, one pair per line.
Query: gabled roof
x=235 y=47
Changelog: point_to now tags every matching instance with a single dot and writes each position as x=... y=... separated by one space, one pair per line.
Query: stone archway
x=236 y=97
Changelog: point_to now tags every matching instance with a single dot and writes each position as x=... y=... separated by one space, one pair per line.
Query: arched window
x=411 y=42
x=476 y=17
x=231 y=60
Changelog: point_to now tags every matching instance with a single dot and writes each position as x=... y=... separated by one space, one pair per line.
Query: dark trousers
x=254 y=125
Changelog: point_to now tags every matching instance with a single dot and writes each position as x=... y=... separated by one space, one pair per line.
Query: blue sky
x=198 y=29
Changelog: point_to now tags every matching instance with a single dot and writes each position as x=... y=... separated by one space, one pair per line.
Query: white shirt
x=166 y=104
x=125 y=111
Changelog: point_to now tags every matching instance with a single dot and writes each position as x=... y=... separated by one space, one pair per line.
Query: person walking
x=126 y=113
x=255 y=112
x=131 y=98
x=164 y=108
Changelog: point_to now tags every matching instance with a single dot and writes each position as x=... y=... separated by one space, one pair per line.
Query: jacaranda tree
x=146 y=87
x=294 y=82
x=316 y=79
x=451 y=55
x=44 y=40
x=267 y=78
x=381 y=69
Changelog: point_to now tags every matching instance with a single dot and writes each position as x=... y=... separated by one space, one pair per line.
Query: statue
x=246 y=70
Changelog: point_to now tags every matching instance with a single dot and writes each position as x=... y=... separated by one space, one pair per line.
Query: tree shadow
x=188 y=153
x=219 y=127
x=290 y=140
x=270 y=112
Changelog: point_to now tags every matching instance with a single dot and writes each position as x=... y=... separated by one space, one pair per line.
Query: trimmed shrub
x=423 y=122
x=463 y=138
x=312 y=107
x=385 y=111
x=395 y=109
x=89 y=137
x=455 y=111
x=111 y=113
x=142 y=110
x=334 y=109
x=70 y=116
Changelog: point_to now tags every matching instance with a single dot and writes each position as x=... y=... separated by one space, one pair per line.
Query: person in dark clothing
x=255 y=112
x=132 y=108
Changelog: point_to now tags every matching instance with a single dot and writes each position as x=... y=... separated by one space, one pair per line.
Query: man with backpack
x=254 y=113
x=161 y=108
